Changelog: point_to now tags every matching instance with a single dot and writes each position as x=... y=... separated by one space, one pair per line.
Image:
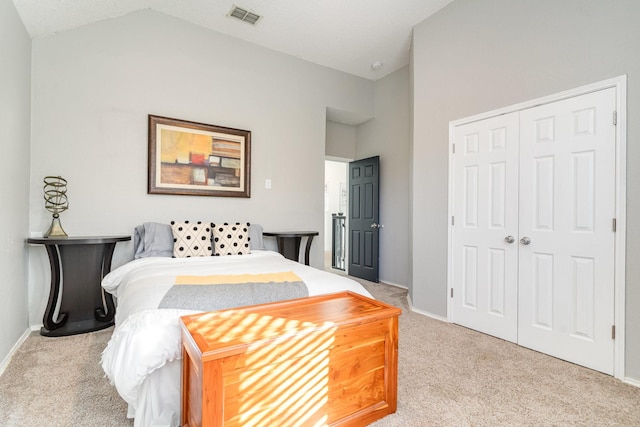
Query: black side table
x=289 y=243
x=78 y=264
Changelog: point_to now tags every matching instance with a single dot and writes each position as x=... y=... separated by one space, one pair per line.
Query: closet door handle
x=509 y=239
x=525 y=241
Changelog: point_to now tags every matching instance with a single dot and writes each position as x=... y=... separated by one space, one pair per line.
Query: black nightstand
x=289 y=243
x=78 y=264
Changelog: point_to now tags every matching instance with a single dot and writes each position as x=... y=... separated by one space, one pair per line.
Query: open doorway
x=335 y=214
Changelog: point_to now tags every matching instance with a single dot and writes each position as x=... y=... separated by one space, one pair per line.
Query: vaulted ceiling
x=347 y=35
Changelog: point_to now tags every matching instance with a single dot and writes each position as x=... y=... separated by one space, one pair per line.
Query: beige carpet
x=448 y=376
x=59 y=382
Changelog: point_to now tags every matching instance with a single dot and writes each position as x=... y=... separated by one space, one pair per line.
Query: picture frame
x=198 y=159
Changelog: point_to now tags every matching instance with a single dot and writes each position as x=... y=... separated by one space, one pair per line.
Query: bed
x=142 y=358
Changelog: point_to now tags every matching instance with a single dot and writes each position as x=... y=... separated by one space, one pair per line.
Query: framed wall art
x=198 y=159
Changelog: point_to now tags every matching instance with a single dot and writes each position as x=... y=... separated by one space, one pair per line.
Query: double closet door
x=534 y=234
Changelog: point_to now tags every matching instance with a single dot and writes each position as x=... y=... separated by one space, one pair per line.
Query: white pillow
x=231 y=239
x=191 y=239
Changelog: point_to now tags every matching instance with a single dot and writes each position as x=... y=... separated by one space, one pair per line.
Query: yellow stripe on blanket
x=284 y=276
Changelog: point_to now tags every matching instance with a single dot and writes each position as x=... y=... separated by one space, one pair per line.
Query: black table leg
x=54 y=293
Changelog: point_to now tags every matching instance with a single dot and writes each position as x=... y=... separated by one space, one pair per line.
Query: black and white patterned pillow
x=191 y=239
x=231 y=239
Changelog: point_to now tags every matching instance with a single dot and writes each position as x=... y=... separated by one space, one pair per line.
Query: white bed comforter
x=147 y=338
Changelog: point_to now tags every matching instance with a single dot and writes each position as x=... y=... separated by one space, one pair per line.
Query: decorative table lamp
x=55 y=201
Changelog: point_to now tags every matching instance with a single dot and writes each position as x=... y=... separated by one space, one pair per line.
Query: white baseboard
x=411 y=307
x=393 y=284
x=632 y=381
x=425 y=313
x=13 y=350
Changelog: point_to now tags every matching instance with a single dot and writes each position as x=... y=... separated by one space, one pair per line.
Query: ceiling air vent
x=244 y=15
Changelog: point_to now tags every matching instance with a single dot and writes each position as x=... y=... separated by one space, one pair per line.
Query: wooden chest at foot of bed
x=324 y=360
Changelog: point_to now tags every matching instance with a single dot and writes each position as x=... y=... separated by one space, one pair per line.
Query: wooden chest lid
x=225 y=332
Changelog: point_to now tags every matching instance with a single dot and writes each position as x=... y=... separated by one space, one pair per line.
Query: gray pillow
x=255 y=237
x=153 y=239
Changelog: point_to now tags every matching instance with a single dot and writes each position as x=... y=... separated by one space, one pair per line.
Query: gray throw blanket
x=219 y=292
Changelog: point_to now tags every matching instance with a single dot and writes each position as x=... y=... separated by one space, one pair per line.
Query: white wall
x=94 y=86
x=476 y=56
x=388 y=136
x=340 y=146
x=15 y=106
x=341 y=140
x=336 y=200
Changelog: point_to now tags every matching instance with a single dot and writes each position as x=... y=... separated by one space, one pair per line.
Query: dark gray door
x=364 y=224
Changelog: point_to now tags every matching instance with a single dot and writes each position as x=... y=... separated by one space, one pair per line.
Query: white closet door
x=485 y=266
x=567 y=202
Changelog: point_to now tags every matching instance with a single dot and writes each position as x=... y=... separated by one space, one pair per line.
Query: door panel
x=567 y=202
x=486 y=211
x=364 y=218
x=545 y=176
